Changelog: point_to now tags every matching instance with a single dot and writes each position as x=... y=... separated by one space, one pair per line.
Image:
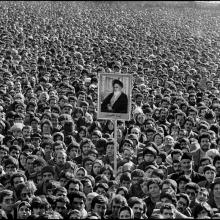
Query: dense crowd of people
x=57 y=157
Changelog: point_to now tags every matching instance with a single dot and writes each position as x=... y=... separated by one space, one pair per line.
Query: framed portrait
x=114 y=96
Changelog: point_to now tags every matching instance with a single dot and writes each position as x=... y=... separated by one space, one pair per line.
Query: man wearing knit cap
x=150 y=153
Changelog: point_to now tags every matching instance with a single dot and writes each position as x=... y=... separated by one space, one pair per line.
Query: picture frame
x=111 y=105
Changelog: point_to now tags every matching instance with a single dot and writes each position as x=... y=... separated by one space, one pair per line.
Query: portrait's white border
x=114 y=116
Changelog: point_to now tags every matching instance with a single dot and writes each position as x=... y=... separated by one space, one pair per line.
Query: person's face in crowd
x=34 y=125
x=181 y=186
x=135 y=131
x=149 y=158
x=3 y=153
x=26 y=132
x=210 y=175
x=205 y=144
x=85 y=108
x=150 y=99
x=157 y=113
x=165 y=104
x=62 y=102
x=100 y=209
x=177 y=167
x=54 y=121
x=192 y=114
x=126 y=184
x=202 y=113
x=110 y=126
x=159 y=160
x=180 y=119
x=37 y=210
x=186 y=165
x=139 y=100
x=110 y=150
x=61 y=158
x=87 y=188
x=148 y=173
x=52 y=102
x=138 y=210
x=82 y=134
x=46 y=129
x=192 y=100
x=191 y=193
x=78 y=204
x=80 y=174
x=181 y=204
x=29 y=165
x=36 y=142
x=17 y=133
x=154 y=190
x=86 y=148
x=81 y=98
x=168 y=141
x=26 y=195
x=17 y=181
x=17 y=86
x=61 y=208
x=47 y=176
x=10 y=169
x=67 y=110
x=101 y=191
x=74 y=152
x=125 y=214
x=96 y=168
x=88 y=166
x=43 y=97
x=127 y=154
x=95 y=138
x=48 y=149
x=107 y=173
x=216 y=190
x=203 y=195
x=23 y=160
x=24 y=212
x=175 y=129
x=168 y=214
x=176 y=156
x=163 y=114
x=73 y=187
x=188 y=126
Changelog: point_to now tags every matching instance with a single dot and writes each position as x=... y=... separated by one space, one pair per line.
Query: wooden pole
x=115 y=147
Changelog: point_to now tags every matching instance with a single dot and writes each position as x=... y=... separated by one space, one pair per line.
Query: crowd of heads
x=56 y=156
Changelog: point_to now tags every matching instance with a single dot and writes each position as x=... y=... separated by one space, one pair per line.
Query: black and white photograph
x=109 y=110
